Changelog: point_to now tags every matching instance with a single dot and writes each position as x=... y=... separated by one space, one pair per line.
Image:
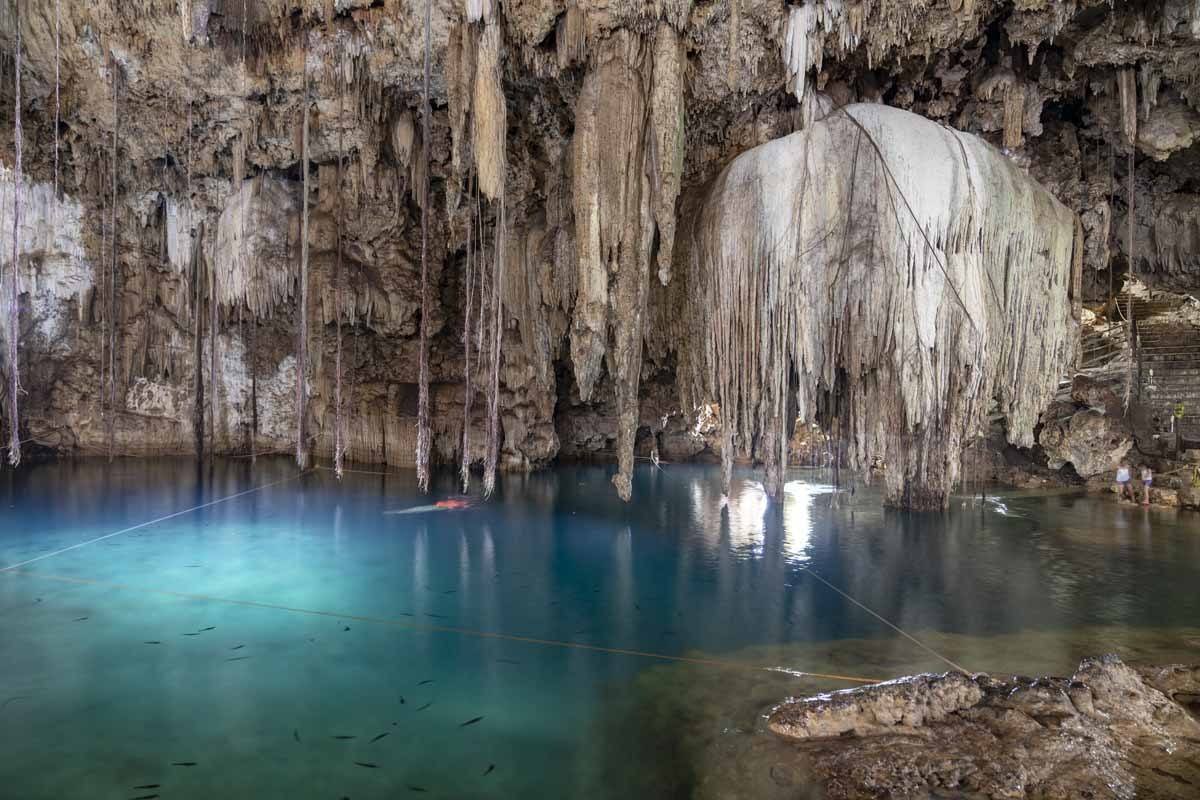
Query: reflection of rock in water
x=696 y=731
x=1109 y=731
x=688 y=731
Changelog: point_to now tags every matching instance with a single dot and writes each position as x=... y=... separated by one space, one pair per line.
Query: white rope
x=896 y=628
x=151 y=522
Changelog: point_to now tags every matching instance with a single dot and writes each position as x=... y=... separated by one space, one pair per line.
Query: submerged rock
x=1109 y=731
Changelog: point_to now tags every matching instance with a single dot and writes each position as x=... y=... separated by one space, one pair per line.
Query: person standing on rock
x=1123 y=487
x=1147 y=479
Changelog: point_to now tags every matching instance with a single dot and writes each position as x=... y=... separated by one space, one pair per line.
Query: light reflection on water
x=553 y=557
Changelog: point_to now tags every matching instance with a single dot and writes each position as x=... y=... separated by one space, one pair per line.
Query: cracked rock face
x=1108 y=731
x=1092 y=442
x=590 y=130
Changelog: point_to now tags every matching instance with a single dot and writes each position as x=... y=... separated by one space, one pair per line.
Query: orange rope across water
x=418 y=627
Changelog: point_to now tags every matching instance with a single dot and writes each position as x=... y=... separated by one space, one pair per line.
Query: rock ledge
x=1109 y=731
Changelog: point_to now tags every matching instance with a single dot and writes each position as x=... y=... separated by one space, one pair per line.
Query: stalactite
x=468 y=388
x=253 y=389
x=735 y=30
x=423 y=432
x=338 y=440
x=1127 y=93
x=481 y=41
x=193 y=260
x=902 y=307
x=615 y=203
x=460 y=88
x=57 y=86
x=493 y=423
x=666 y=140
x=214 y=310
x=302 y=302
x=1014 y=114
x=14 y=310
x=114 y=267
x=1132 y=168
x=489 y=119
x=570 y=37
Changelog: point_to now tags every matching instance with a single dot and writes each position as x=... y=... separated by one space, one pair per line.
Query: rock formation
x=903 y=277
x=1110 y=731
x=160 y=264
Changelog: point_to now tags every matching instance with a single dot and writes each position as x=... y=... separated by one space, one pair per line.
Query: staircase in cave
x=1097 y=349
x=1167 y=368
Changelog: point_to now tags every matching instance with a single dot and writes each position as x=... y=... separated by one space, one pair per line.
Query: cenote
x=711 y=400
x=289 y=637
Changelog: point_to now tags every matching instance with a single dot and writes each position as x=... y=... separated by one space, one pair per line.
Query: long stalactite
x=423 y=427
x=302 y=316
x=14 y=294
x=114 y=265
x=194 y=270
x=57 y=87
x=468 y=307
x=339 y=443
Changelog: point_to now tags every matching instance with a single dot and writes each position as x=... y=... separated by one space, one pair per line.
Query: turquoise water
x=606 y=650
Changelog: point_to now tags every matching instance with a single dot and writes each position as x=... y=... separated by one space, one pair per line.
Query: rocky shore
x=1111 y=730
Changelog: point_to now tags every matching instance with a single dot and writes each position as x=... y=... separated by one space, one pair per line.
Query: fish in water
x=209 y=628
x=13 y=699
x=401 y=699
x=367 y=764
x=428 y=680
x=346 y=628
x=427 y=705
x=406 y=614
x=507 y=661
x=377 y=738
x=148 y=786
x=238 y=658
x=471 y=721
x=81 y=619
x=183 y=763
x=239 y=647
x=450 y=591
x=345 y=737
x=488 y=771
x=436 y=616
x=296 y=734
x=412 y=788
x=151 y=642
x=191 y=634
x=145 y=797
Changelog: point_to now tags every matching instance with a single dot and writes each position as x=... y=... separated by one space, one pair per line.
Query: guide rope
x=422 y=628
x=894 y=627
x=141 y=525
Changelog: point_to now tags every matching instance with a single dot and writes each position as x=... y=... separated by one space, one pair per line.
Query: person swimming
x=451 y=504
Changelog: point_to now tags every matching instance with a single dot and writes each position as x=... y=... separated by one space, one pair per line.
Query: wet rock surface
x=1111 y=730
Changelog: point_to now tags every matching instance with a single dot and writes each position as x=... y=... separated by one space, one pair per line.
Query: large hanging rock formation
x=901 y=276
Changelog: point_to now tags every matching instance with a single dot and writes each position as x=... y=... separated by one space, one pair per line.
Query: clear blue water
x=608 y=650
